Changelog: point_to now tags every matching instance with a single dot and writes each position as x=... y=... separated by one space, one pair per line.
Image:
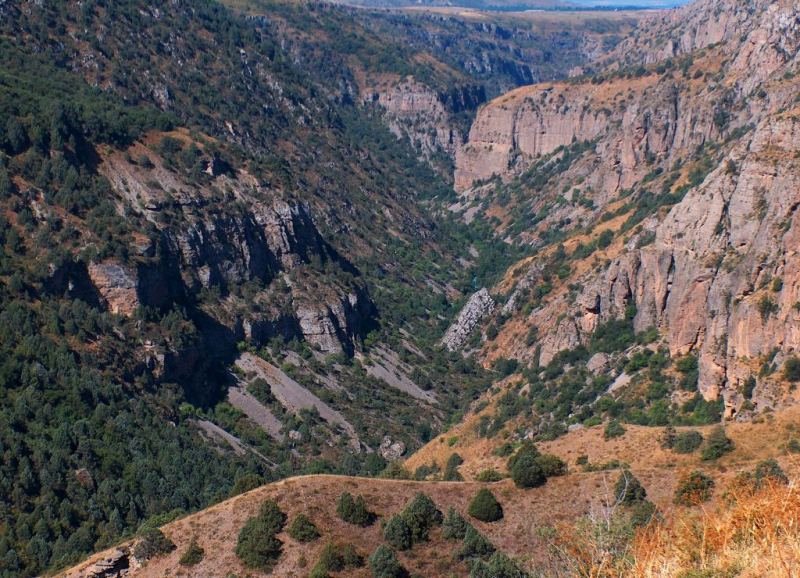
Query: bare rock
x=477 y=308
x=391 y=451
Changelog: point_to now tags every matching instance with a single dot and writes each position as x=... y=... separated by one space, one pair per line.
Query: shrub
x=527 y=473
x=791 y=370
x=669 y=438
x=490 y=475
x=642 y=513
x=421 y=514
x=498 y=566
x=552 y=466
x=257 y=545
x=694 y=489
x=717 y=444
x=613 y=430
x=384 y=564
x=451 y=473
x=335 y=558
x=769 y=470
x=354 y=510
x=152 y=543
x=687 y=442
x=303 y=529
x=398 y=534
x=485 y=507
x=454 y=526
x=193 y=554
x=475 y=545
x=395 y=471
x=628 y=489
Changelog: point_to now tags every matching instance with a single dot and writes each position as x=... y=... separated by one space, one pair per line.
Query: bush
x=258 y=546
x=475 y=545
x=384 y=564
x=527 y=473
x=193 y=554
x=791 y=370
x=628 y=489
x=552 y=466
x=398 y=534
x=454 y=526
x=354 y=510
x=498 y=566
x=421 y=514
x=152 y=543
x=490 y=475
x=485 y=507
x=303 y=529
x=451 y=473
x=613 y=430
x=769 y=470
x=717 y=445
x=642 y=513
x=688 y=441
x=694 y=489
x=335 y=558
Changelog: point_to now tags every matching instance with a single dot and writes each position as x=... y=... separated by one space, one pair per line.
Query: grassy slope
x=558 y=504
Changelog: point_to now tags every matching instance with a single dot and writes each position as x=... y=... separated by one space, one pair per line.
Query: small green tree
x=398 y=534
x=454 y=526
x=628 y=489
x=687 y=442
x=451 y=473
x=152 y=543
x=694 y=489
x=193 y=554
x=527 y=473
x=717 y=444
x=384 y=564
x=475 y=546
x=353 y=510
x=498 y=566
x=613 y=430
x=257 y=545
x=421 y=514
x=485 y=507
x=303 y=529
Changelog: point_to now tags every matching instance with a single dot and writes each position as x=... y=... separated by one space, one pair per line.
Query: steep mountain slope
x=660 y=196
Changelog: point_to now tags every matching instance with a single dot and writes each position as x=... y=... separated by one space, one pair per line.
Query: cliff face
x=721 y=278
x=254 y=237
x=425 y=116
x=714 y=270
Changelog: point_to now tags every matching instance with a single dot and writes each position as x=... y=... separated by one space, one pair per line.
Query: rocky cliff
x=709 y=120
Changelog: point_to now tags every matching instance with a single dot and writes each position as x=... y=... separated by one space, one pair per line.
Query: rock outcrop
x=426 y=117
x=480 y=305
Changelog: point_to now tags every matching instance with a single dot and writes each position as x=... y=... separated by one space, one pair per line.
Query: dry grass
x=755 y=534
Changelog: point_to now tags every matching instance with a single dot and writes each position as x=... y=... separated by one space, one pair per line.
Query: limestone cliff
x=712 y=265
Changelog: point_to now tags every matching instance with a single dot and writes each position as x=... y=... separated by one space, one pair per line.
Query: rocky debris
x=244 y=401
x=387 y=366
x=598 y=363
x=391 y=451
x=115 y=565
x=480 y=305
x=294 y=396
x=117 y=285
x=295 y=435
